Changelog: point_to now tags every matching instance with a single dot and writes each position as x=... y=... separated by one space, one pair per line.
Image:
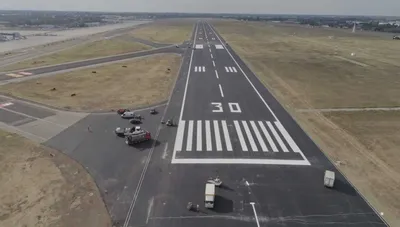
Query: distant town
x=59 y=20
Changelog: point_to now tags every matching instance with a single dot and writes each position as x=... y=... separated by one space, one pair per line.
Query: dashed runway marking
x=230 y=69
x=199 y=69
x=219 y=47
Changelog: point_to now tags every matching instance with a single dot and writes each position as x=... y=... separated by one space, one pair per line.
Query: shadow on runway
x=225 y=187
x=223 y=205
x=147 y=145
x=344 y=187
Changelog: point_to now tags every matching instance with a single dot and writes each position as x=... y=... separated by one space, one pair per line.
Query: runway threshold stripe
x=259 y=137
x=288 y=138
x=208 y=136
x=190 y=137
x=179 y=136
x=199 y=141
x=226 y=136
x=277 y=137
x=230 y=69
x=249 y=136
x=269 y=138
x=226 y=69
x=195 y=69
x=217 y=136
x=240 y=135
x=204 y=69
x=234 y=69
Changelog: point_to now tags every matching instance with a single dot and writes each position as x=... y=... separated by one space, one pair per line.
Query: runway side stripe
x=208 y=136
x=199 y=141
x=288 y=138
x=277 y=137
x=249 y=136
x=226 y=136
x=240 y=135
x=179 y=136
x=190 y=136
x=259 y=137
x=217 y=136
x=269 y=138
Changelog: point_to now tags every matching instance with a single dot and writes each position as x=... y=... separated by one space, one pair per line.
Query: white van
x=209 y=196
x=329 y=178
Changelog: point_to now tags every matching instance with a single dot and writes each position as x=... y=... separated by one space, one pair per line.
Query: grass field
x=312 y=68
x=144 y=81
x=42 y=187
x=100 y=48
x=166 y=31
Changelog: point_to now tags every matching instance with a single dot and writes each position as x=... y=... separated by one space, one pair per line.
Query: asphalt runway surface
x=78 y=64
x=230 y=125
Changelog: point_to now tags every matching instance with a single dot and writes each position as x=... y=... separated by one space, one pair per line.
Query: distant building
x=92 y=24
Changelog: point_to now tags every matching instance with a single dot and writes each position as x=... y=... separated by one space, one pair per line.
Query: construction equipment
x=137 y=136
x=216 y=181
x=329 y=179
x=209 y=196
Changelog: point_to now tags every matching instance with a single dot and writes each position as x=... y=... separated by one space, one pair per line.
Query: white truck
x=209 y=196
x=329 y=178
x=137 y=136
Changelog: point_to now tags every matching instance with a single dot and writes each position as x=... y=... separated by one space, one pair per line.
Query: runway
x=230 y=125
x=90 y=62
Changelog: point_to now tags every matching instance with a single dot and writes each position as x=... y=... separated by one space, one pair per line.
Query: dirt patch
x=166 y=31
x=99 y=48
x=313 y=68
x=42 y=187
x=142 y=82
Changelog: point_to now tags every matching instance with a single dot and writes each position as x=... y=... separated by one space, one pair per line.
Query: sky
x=331 y=7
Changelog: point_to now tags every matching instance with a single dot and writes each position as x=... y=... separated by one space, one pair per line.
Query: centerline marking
x=212 y=56
x=216 y=74
x=213 y=63
x=220 y=89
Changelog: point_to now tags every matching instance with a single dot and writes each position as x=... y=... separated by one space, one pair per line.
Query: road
x=230 y=125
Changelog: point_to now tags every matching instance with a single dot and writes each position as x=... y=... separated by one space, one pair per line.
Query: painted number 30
x=233 y=107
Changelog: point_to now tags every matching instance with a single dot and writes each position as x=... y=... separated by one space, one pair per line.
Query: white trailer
x=209 y=196
x=329 y=178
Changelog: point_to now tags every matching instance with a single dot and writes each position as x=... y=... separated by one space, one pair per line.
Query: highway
x=230 y=125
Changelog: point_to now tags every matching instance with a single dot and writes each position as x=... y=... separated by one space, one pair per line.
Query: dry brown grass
x=40 y=190
x=145 y=81
x=304 y=68
x=166 y=31
x=100 y=48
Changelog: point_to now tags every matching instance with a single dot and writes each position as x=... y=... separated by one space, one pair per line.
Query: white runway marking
x=226 y=69
x=240 y=161
x=209 y=50
x=199 y=135
x=195 y=69
x=255 y=213
x=219 y=47
x=226 y=136
x=199 y=46
x=212 y=56
x=269 y=138
x=190 y=137
x=220 y=89
x=179 y=136
x=259 y=137
x=240 y=135
x=234 y=69
x=6 y=104
x=249 y=136
x=287 y=137
x=277 y=137
x=204 y=69
x=14 y=75
x=217 y=136
x=199 y=69
x=216 y=74
x=208 y=136
x=230 y=69
x=214 y=63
